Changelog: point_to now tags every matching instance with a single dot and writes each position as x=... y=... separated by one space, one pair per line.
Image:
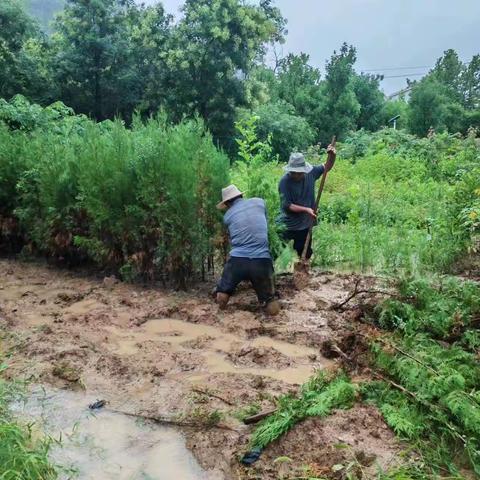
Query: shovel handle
x=317 y=201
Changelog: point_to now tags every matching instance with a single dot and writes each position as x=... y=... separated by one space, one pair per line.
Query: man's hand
x=332 y=153
x=310 y=212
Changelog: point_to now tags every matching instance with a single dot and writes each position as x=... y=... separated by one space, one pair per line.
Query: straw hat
x=229 y=193
x=297 y=163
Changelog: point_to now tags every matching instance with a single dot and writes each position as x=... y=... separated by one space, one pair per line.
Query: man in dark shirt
x=297 y=196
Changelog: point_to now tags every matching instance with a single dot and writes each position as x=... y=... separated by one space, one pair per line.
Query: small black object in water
x=98 y=404
x=252 y=456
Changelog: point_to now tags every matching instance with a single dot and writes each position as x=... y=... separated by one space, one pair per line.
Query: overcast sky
x=388 y=34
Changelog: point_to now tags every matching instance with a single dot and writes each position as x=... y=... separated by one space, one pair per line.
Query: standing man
x=297 y=198
x=250 y=257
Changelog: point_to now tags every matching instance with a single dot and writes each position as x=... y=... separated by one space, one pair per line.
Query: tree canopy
x=115 y=58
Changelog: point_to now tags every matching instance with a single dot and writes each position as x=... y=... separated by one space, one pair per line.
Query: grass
x=21 y=456
x=398 y=207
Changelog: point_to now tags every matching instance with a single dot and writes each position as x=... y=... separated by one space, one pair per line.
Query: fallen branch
x=338 y=306
x=174 y=422
x=357 y=291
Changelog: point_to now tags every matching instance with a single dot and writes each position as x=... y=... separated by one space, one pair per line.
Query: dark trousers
x=259 y=271
x=299 y=238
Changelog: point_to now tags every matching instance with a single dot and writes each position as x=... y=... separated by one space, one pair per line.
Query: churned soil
x=165 y=354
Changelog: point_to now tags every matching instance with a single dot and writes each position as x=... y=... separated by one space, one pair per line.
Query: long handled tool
x=302 y=265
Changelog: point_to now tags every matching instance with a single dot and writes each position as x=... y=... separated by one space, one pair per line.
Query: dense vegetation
x=425 y=380
x=139 y=201
x=113 y=57
x=119 y=127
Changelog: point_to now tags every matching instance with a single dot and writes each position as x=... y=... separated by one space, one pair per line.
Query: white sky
x=387 y=33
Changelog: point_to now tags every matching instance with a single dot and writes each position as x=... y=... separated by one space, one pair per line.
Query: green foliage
x=287 y=132
x=400 y=204
x=21 y=46
x=433 y=356
x=93 y=58
x=140 y=200
x=213 y=45
x=448 y=97
x=429 y=107
x=255 y=172
x=21 y=457
x=318 y=397
x=392 y=108
x=444 y=310
x=371 y=100
x=341 y=108
x=298 y=84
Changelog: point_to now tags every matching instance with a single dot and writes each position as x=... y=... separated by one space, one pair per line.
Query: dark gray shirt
x=299 y=193
x=247 y=225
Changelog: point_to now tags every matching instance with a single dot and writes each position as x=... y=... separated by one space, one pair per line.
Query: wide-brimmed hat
x=229 y=193
x=297 y=163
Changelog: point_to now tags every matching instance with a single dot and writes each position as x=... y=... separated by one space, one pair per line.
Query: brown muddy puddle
x=214 y=346
x=103 y=445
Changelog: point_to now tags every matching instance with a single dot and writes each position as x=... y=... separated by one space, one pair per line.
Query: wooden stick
x=259 y=416
x=172 y=421
x=317 y=203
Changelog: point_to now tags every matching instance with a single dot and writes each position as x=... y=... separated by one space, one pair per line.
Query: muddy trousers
x=259 y=271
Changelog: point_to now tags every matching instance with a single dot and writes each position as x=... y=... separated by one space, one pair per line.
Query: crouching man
x=250 y=259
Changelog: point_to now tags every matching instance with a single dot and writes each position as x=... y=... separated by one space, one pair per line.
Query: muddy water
x=216 y=344
x=106 y=445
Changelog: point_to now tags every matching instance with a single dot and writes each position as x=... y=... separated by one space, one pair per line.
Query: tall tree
x=212 y=49
x=371 y=99
x=341 y=108
x=431 y=106
x=299 y=83
x=448 y=71
x=93 y=59
x=150 y=29
x=470 y=81
x=21 y=46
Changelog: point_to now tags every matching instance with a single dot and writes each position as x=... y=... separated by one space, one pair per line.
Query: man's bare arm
x=299 y=209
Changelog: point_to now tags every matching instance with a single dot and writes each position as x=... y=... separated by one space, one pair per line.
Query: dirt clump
x=263 y=356
x=354 y=441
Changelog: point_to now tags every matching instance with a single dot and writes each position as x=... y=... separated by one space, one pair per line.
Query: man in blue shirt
x=297 y=197
x=250 y=259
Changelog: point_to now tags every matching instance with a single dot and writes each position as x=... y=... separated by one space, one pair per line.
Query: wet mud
x=156 y=352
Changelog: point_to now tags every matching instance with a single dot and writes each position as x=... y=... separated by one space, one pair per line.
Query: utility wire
x=394 y=68
x=405 y=76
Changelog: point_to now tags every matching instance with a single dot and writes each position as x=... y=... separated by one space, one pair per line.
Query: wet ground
x=174 y=355
x=104 y=445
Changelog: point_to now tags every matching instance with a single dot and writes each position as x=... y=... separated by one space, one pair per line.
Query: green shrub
x=256 y=172
x=139 y=201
